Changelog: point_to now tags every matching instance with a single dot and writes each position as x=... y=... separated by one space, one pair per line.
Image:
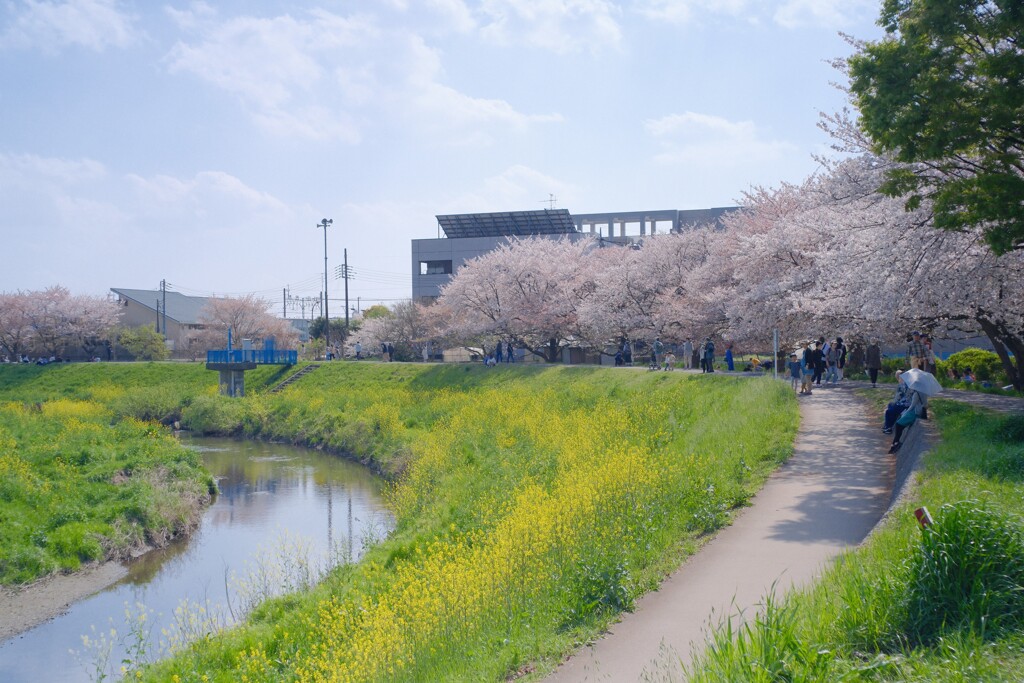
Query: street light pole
x=327 y=317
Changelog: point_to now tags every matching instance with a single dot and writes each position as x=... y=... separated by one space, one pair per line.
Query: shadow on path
x=825 y=499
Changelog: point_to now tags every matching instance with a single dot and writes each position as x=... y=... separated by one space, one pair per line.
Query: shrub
x=985 y=365
x=213 y=415
x=968 y=574
x=158 y=404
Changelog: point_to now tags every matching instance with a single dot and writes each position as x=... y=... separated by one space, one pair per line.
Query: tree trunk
x=552 y=355
x=1005 y=343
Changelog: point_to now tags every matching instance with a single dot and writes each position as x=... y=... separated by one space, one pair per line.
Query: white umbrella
x=921 y=382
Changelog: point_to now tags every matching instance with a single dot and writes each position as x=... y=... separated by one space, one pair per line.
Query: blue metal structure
x=262 y=357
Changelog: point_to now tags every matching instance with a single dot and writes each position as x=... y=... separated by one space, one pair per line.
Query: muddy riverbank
x=27 y=606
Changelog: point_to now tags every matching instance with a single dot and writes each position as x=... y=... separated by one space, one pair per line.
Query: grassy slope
x=533 y=504
x=949 y=607
x=81 y=478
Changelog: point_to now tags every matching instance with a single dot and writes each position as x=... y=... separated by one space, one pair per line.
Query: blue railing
x=263 y=357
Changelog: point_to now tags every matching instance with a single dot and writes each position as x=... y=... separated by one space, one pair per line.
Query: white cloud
x=713 y=141
x=455 y=13
x=561 y=26
x=29 y=169
x=514 y=189
x=324 y=76
x=687 y=11
x=50 y=26
x=833 y=14
x=790 y=14
x=197 y=14
x=74 y=222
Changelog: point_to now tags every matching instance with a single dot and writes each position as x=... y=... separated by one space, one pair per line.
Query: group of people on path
x=694 y=357
x=503 y=352
x=816 y=360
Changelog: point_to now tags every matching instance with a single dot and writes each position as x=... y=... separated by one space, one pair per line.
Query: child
x=807 y=368
x=670 y=361
x=795 y=372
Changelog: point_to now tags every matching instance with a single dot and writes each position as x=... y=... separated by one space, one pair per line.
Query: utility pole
x=327 y=316
x=346 y=291
x=158 y=316
x=284 y=303
x=163 y=289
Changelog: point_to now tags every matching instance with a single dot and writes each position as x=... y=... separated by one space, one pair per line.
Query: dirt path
x=825 y=499
x=23 y=608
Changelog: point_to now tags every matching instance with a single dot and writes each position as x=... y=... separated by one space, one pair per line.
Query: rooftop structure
x=469 y=235
x=507 y=224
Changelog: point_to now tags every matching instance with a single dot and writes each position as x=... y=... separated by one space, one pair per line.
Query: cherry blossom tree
x=527 y=291
x=405 y=325
x=15 y=324
x=54 y=322
x=247 y=317
x=835 y=254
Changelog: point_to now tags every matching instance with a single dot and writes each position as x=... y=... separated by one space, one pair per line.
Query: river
x=282 y=514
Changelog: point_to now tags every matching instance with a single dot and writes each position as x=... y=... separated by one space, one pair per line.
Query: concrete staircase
x=291 y=378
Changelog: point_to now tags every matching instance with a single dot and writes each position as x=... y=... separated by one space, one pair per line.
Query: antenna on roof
x=550 y=200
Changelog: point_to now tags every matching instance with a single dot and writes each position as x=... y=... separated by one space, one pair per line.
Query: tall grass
x=944 y=603
x=76 y=488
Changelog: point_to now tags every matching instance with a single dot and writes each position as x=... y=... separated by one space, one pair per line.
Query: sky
x=202 y=143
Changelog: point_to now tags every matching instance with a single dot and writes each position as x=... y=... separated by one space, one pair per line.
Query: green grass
x=76 y=488
x=84 y=474
x=945 y=604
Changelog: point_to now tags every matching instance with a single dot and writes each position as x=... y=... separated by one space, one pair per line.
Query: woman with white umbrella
x=920 y=385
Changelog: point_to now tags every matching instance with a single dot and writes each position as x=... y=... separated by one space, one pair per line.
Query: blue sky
x=201 y=143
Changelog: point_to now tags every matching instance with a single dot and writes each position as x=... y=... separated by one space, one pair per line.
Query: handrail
x=261 y=357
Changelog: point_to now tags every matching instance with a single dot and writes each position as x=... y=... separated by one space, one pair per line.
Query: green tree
x=376 y=311
x=943 y=93
x=339 y=333
x=144 y=343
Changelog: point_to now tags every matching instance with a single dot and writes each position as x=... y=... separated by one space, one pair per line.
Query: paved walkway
x=825 y=499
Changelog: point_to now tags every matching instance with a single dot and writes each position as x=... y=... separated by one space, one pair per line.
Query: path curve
x=826 y=498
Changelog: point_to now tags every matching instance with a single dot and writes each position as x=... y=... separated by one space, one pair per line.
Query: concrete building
x=467 y=236
x=146 y=307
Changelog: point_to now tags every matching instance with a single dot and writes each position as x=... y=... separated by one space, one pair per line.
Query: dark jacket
x=873 y=357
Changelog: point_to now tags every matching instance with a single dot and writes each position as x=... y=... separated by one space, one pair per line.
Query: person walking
x=359 y=350
x=931 y=363
x=709 y=355
x=840 y=357
x=832 y=365
x=795 y=373
x=873 y=361
x=658 y=350
x=728 y=357
x=384 y=351
x=807 y=368
x=510 y=355
x=499 y=351
x=819 y=360
x=688 y=354
x=916 y=352
x=391 y=352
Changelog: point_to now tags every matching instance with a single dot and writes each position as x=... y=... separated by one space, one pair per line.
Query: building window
x=435 y=267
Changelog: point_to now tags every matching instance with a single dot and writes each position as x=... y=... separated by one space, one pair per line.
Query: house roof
x=508 y=223
x=180 y=308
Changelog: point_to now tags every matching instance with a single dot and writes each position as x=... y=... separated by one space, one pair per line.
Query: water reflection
x=268 y=492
